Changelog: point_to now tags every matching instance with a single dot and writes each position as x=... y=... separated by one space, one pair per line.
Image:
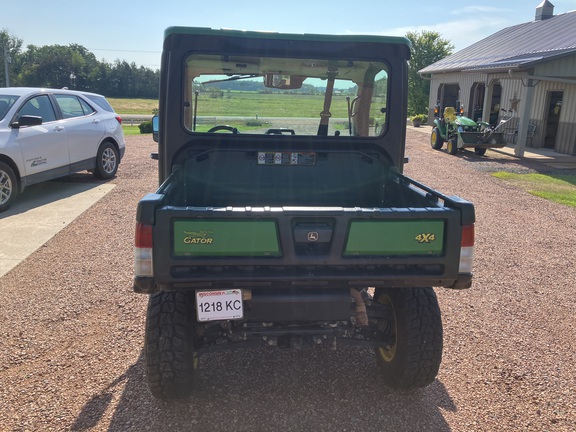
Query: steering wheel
x=280 y=131
x=223 y=127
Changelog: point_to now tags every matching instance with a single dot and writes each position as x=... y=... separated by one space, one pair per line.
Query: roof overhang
x=520 y=63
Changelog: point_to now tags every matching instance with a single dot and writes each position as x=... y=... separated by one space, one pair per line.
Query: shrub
x=254 y=122
x=420 y=118
x=145 y=128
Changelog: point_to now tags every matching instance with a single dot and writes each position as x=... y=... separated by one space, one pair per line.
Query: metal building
x=529 y=68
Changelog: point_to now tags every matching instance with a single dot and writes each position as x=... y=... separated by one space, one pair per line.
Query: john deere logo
x=312 y=236
x=425 y=238
x=198 y=237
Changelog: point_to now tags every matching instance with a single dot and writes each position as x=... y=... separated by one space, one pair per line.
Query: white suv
x=48 y=133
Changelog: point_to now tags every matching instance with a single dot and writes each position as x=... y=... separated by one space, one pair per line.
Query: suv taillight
x=466 y=249
x=143 y=250
x=119 y=119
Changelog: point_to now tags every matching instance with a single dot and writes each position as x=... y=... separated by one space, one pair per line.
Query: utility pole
x=7 y=60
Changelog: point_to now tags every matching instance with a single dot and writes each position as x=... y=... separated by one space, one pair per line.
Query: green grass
x=248 y=104
x=131 y=130
x=135 y=130
x=134 y=106
x=557 y=188
x=251 y=105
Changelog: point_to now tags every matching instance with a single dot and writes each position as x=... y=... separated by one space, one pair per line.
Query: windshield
x=265 y=95
x=6 y=102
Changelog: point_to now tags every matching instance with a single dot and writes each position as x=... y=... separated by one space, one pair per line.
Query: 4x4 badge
x=312 y=236
x=425 y=238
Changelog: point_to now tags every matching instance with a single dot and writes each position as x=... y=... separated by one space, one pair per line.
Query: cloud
x=479 y=9
x=461 y=33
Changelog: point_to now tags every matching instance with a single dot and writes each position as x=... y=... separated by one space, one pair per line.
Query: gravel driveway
x=72 y=330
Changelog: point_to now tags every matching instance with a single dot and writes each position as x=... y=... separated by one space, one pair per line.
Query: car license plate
x=219 y=305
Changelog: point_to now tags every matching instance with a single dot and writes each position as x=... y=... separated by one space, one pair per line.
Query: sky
x=133 y=31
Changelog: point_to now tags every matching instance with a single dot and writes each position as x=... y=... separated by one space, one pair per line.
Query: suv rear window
x=72 y=106
x=100 y=101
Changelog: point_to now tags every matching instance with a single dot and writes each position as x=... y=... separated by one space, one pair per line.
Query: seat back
x=449 y=114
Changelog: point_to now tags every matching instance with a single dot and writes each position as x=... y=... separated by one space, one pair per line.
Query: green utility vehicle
x=460 y=132
x=283 y=217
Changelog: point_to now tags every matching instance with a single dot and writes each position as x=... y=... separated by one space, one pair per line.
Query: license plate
x=219 y=305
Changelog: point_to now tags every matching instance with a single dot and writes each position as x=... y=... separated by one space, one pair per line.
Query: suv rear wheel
x=412 y=341
x=106 y=161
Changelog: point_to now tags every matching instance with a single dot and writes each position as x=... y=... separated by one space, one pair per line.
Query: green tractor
x=461 y=132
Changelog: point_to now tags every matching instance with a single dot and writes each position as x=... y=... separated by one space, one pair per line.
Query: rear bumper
x=147 y=285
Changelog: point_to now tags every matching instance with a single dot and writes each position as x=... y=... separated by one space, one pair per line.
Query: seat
x=449 y=114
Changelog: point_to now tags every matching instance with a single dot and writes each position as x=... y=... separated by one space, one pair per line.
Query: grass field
x=134 y=106
x=130 y=130
x=247 y=104
x=556 y=188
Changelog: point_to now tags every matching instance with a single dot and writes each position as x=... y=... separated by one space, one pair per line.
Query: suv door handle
x=58 y=128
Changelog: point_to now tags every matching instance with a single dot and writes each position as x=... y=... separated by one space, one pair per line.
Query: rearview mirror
x=155 y=128
x=283 y=82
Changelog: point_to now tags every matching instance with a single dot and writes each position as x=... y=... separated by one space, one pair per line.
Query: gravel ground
x=72 y=329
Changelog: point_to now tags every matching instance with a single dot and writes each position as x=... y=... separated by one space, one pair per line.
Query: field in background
x=247 y=105
x=134 y=106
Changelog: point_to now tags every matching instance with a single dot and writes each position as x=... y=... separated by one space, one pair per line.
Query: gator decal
x=225 y=238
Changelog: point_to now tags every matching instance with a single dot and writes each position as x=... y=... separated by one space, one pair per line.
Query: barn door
x=553 y=107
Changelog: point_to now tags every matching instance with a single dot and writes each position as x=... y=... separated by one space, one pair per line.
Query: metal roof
x=517 y=47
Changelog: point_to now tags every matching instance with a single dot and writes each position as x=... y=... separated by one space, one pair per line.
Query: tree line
x=75 y=67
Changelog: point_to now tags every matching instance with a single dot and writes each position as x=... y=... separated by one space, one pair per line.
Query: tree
x=56 y=66
x=75 y=67
x=12 y=45
x=427 y=47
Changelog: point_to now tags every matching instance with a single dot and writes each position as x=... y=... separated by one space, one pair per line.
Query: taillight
x=143 y=250
x=466 y=249
x=143 y=238
x=119 y=119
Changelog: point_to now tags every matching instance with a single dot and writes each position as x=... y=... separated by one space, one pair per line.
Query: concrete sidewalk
x=545 y=156
x=40 y=213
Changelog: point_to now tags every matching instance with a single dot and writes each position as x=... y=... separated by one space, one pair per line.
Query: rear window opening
x=284 y=96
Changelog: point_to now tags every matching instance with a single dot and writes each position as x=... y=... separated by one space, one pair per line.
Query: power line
x=119 y=50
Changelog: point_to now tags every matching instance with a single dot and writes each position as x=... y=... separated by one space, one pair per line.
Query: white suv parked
x=49 y=133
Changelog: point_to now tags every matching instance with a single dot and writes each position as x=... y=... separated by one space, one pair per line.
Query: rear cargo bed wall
x=235 y=178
